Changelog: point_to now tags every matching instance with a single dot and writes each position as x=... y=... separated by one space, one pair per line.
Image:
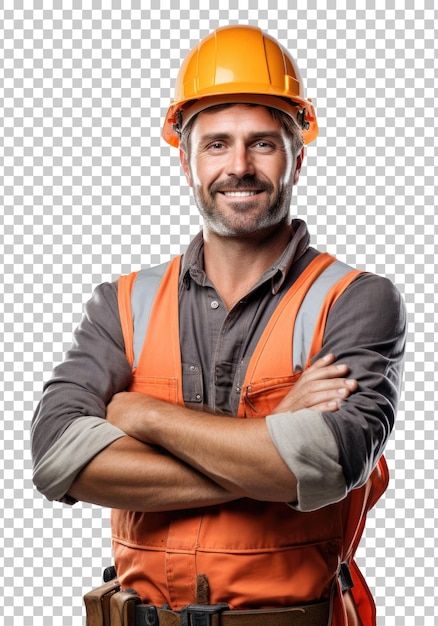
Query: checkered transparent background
x=89 y=190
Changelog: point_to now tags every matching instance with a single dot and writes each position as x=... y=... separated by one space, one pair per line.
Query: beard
x=229 y=218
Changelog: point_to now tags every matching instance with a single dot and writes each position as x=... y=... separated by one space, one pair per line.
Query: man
x=210 y=508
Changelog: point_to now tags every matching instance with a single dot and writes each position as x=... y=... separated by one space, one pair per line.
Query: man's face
x=241 y=167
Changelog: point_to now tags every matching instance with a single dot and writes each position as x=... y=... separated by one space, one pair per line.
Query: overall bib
x=255 y=554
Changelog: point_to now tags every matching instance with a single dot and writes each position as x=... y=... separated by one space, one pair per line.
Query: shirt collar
x=193 y=258
x=193 y=262
x=297 y=246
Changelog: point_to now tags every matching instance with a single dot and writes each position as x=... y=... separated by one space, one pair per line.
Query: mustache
x=236 y=184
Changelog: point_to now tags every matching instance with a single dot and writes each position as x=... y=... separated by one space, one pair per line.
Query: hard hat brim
x=192 y=107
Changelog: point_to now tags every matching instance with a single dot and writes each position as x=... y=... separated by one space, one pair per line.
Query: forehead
x=235 y=118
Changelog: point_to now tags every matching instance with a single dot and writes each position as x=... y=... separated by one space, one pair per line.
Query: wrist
x=150 y=419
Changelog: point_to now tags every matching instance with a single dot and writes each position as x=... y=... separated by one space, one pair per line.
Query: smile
x=240 y=194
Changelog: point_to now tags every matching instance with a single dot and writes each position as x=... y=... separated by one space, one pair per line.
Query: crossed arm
x=121 y=470
x=174 y=458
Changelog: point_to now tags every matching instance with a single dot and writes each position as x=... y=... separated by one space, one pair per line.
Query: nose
x=240 y=160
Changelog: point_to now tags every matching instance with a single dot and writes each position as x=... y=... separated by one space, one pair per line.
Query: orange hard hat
x=238 y=63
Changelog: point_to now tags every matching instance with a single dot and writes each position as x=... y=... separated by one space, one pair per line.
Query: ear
x=300 y=159
x=185 y=166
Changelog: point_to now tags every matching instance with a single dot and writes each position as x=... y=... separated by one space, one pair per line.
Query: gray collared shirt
x=218 y=342
x=329 y=452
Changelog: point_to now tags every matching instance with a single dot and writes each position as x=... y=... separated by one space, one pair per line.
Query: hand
x=127 y=410
x=319 y=387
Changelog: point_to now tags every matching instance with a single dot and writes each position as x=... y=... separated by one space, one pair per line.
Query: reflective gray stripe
x=142 y=297
x=305 y=324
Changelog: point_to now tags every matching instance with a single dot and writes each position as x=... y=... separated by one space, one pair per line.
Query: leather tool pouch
x=97 y=603
x=122 y=608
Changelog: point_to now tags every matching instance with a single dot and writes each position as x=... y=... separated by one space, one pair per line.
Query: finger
x=329 y=384
x=323 y=372
x=332 y=405
x=309 y=386
x=327 y=395
x=323 y=361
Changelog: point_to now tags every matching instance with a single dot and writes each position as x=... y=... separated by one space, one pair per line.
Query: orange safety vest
x=255 y=554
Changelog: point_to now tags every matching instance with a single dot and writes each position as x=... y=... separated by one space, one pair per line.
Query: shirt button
x=214 y=304
x=193 y=368
x=198 y=397
x=238 y=389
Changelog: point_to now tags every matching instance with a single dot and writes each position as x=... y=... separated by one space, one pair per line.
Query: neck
x=234 y=264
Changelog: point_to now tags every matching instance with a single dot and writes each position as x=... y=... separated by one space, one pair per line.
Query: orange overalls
x=255 y=554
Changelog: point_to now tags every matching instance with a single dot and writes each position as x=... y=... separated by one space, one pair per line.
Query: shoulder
x=101 y=314
x=373 y=292
x=370 y=301
x=106 y=294
x=104 y=297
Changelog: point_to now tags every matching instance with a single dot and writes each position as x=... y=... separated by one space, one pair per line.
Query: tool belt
x=219 y=615
x=109 y=606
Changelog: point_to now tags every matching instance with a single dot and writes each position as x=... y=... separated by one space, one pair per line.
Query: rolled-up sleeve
x=331 y=453
x=69 y=426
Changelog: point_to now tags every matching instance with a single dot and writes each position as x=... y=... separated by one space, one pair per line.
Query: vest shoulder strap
x=142 y=298
x=136 y=294
x=336 y=277
x=124 y=288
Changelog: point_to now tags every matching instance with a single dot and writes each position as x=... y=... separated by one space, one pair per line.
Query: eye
x=264 y=145
x=216 y=145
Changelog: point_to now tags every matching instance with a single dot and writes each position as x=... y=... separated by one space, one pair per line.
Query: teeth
x=240 y=193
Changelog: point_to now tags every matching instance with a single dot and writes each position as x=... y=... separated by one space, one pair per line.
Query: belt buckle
x=201 y=614
x=146 y=615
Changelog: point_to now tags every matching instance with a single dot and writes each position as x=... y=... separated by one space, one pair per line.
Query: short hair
x=286 y=121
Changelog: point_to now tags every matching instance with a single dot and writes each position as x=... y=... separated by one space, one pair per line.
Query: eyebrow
x=252 y=136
